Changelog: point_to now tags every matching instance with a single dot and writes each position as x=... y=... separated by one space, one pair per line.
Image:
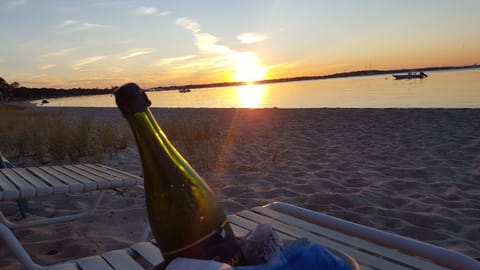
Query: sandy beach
x=414 y=172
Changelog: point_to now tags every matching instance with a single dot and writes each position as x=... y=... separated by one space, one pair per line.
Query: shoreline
x=414 y=172
x=60 y=92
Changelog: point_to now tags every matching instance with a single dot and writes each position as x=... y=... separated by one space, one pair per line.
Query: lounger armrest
x=17 y=249
x=442 y=256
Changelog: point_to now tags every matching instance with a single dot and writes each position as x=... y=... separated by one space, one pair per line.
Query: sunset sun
x=248 y=69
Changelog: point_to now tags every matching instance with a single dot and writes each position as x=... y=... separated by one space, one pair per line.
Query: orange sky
x=101 y=44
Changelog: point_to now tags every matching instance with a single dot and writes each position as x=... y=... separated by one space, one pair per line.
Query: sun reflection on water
x=250 y=96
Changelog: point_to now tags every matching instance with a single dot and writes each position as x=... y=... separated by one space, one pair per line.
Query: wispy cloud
x=136 y=52
x=47 y=66
x=146 y=10
x=204 y=41
x=16 y=3
x=69 y=22
x=87 y=26
x=249 y=38
x=219 y=57
x=214 y=56
x=142 y=10
x=116 y=70
x=58 y=53
x=188 y=24
x=168 y=61
x=79 y=64
x=39 y=76
x=76 y=26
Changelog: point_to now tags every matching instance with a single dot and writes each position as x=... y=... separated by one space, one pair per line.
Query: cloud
x=143 y=10
x=116 y=70
x=188 y=24
x=168 y=61
x=47 y=66
x=209 y=43
x=146 y=10
x=79 y=64
x=203 y=41
x=76 y=26
x=39 y=76
x=69 y=22
x=136 y=52
x=58 y=53
x=87 y=26
x=16 y=3
x=218 y=57
x=249 y=38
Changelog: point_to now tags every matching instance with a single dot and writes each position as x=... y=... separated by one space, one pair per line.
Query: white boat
x=184 y=90
x=410 y=75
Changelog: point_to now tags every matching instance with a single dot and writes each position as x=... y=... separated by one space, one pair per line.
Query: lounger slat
x=247 y=225
x=25 y=188
x=112 y=179
x=105 y=169
x=41 y=187
x=361 y=257
x=89 y=185
x=8 y=190
x=126 y=175
x=126 y=178
x=238 y=231
x=58 y=186
x=239 y=221
x=149 y=252
x=63 y=266
x=120 y=260
x=392 y=254
x=74 y=186
x=102 y=183
x=94 y=263
x=364 y=267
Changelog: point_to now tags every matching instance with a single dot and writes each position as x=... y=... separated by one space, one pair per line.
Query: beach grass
x=41 y=137
x=199 y=142
x=36 y=137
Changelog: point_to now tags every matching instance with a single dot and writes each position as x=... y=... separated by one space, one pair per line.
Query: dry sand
x=407 y=171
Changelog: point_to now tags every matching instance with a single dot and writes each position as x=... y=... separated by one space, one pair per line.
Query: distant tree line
x=14 y=91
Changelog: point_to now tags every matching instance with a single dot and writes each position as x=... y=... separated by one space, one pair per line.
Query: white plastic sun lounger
x=371 y=249
x=29 y=183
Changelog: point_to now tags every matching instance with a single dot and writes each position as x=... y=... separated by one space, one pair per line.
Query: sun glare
x=251 y=95
x=248 y=69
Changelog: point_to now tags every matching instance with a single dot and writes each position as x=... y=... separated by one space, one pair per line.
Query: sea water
x=441 y=89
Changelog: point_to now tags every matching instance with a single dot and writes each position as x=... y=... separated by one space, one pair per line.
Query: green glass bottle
x=184 y=215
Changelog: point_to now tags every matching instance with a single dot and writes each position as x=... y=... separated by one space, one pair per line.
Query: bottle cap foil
x=131 y=99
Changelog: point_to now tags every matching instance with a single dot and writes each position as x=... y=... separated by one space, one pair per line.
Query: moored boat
x=410 y=75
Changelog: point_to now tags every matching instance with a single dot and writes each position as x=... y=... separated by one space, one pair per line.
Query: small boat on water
x=410 y=75
x=184 y=90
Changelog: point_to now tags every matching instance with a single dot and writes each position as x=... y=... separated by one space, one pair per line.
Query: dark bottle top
x=184 y=215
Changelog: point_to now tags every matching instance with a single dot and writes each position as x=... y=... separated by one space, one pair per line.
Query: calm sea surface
x=442 y=89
